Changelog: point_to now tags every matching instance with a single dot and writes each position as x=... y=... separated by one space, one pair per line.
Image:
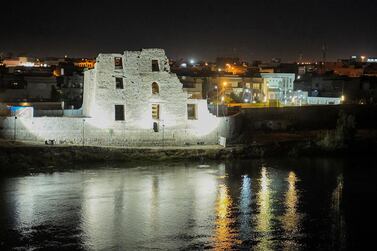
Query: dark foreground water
x=320 y=204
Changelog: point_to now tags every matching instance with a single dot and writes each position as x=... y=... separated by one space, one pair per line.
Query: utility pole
x=163 y=133
x=83 y=132
x=324 y=54
x=217 y=98
x=15 y=128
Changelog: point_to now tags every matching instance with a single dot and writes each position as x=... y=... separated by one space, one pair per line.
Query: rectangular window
x=156 y=111
x=155 y=66
x=188 y=85
x=191 y=112
x=119 y=112
x=119 y=83
x=118 y=63
x=256 y=86
x=155 y=126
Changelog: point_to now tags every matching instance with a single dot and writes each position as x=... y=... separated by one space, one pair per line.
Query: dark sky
x=250 y=29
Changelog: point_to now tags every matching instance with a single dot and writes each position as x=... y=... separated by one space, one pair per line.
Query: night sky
x=192 y=29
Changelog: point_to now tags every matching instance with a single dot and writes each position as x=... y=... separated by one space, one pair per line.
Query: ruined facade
x=129 y=99
x=140 y=85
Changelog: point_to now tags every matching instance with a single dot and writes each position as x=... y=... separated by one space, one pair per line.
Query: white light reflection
x=263 y=221
x=339 y=224
x=245 y=208
x=291 y=218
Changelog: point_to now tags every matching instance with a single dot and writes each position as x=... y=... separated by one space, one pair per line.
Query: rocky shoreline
x=25 y=158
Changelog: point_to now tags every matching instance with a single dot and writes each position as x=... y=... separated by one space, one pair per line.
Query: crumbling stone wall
x=98 y=126
x=101 y=94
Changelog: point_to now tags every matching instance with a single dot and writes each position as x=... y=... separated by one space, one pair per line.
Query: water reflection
x=263 y=221
x=225 y=236
x=338 y=227
x=154 y=207
x=184 y=206
x=245 y=208
x=291 y=217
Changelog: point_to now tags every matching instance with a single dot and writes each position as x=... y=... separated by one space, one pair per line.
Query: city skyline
x=203 y=31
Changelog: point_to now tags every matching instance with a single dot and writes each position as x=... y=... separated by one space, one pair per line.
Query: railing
x=58 y=113
x=222 y=110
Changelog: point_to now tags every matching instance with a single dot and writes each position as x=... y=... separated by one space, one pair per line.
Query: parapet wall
x=83 y=131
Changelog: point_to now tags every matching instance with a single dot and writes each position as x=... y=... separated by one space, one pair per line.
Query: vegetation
x=344 y=134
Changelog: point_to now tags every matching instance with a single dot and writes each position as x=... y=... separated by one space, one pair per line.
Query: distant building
x=85 y=63
x=53 y=61
x=71 y=90
x=27 y=88
x=358 y=58
x=266 y=69
x=194 y=86
x=19 y=61
x=221 y=62
x=349 y=71
x=278 y=85
x=371 y=70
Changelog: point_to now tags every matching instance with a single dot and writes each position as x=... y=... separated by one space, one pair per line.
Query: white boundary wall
x=68 y=130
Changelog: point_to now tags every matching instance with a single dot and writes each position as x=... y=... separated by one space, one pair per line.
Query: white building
x=324 y=101
x=129 y=99
x=19 y=61
x=277 y=85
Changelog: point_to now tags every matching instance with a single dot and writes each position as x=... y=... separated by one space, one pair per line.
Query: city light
x=204 y=126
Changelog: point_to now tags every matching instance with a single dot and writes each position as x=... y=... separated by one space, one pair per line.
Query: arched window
x=155 y=88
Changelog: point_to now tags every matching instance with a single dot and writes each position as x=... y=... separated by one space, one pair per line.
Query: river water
x=279 y=204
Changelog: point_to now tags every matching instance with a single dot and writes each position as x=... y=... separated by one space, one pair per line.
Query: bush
x=344 y=134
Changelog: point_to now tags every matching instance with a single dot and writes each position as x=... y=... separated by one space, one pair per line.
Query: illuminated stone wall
x=101 y=94
x=68 y=130
x=98 y=126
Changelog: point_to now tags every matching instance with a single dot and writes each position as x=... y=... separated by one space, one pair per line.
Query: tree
x=345 y=129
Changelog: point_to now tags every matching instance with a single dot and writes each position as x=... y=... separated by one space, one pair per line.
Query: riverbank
x=29 y=157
